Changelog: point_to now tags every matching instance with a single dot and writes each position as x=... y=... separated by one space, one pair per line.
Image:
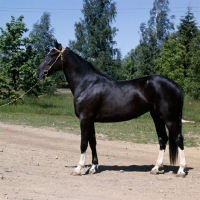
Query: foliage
x=153 y=35
x=127 y=69
x=20 y=56
x=95 y=36
x=193 y=84
x=15 y=52
x=42 y=35
x=159 y=27
x=138 y=62
x=179 y=56
x=171 y=60
x=188 y=36
x=187 y=30
x=159 y=24
x=6 y=90
x=175 y=55
x=144 y=62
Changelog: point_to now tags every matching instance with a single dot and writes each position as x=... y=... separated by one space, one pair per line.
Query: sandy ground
x=36 y=163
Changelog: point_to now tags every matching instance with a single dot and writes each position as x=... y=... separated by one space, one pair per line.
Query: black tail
x=173 y=147
x=173 y=151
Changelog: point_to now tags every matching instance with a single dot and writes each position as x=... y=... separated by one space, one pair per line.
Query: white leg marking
x=81 y=164
x=92 y=169
x=82 y=160
x=182 y=168
x=159 y=163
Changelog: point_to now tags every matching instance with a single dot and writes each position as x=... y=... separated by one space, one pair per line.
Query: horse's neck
x=73 y=83
x=72 y=71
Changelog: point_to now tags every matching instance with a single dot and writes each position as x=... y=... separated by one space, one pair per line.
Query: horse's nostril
x=46 y=72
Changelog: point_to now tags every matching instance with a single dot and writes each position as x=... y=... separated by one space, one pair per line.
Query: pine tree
x=187 y=31
x=193 y=80
x=95 y=36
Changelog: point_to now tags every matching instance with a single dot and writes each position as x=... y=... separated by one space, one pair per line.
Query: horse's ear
x=57 y=45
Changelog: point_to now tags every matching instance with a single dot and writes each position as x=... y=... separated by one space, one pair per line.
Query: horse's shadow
x=135 y=168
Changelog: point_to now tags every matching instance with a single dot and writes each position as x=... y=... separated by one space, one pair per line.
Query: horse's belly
x=117 y=114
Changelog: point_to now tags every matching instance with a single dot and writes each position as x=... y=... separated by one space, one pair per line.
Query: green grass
x=191 y=109
x=57 y=111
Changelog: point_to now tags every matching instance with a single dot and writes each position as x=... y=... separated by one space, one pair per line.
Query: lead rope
x=60 y=55
x=20 y=96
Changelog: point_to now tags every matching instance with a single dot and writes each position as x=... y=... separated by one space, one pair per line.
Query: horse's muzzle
x=41 y=76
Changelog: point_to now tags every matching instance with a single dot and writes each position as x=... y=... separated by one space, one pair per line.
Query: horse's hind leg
x=183 y=168
x=176 y=146
x=162 y=139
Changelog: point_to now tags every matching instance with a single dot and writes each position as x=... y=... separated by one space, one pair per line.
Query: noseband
x=60 y=55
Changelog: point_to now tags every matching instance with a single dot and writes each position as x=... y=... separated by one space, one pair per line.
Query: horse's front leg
x=87 y=135
x=81 y=164
x=92 y=141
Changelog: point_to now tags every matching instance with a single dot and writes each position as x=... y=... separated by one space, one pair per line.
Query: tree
x=193 y=80
x=187 y=36
x=128 y=66
x=43 y=36
x=95 y=36
x=42 y=33
x=159 y=23
x=171 y=60
x=15 y=51
x=187 y=30
x=152 y=37
x=6 y=91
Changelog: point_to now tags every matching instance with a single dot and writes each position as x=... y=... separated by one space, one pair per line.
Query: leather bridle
x=60 y=55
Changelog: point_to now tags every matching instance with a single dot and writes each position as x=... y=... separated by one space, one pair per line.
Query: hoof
x=182 y=175
x=75 y=174
x=158 y=171
x=92 y=170
x=77 y=171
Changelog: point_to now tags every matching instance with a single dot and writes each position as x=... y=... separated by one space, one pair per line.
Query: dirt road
x=35 y=163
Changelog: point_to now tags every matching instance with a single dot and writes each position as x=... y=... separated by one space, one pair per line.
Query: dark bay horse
x=101 y=98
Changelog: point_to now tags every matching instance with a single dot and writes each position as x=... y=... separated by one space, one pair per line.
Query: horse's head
x=52 y=62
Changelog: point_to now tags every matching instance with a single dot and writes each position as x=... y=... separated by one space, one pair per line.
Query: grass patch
x=191 y=109
x=57 y=111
